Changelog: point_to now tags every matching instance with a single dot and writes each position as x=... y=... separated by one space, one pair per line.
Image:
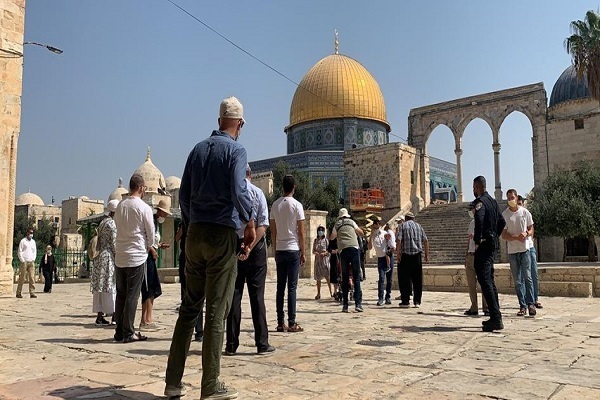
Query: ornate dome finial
x=148 y=154
x=336 y=43
x=120 y=182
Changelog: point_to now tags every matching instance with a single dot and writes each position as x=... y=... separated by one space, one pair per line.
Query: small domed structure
x=29 y=199
x=569 y=87
x=118 y=193
x=173 y=183
x=153 y=178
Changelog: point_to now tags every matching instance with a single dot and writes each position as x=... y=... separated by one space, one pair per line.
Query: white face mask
x=30 y=236
x=471 y=214
x=161 y=220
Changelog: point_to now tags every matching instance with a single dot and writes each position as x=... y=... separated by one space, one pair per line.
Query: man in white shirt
x=470 y=268
x=135 y=237
x=27 y=254
x=519 y=226
x=287 y=239
x=347 y=232
x=382 y=241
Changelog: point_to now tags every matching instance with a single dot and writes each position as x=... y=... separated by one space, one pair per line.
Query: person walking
x=533 y=255
x=47 y=268
x=151 y=288
x=489 y=224
x=346 y=231
x=252 y=271
x=380 y=240
x=287 y=239
x=411 y=243
x=102 y=282
x=470 y=269
x=399 y=221
x=27 y=254
x=322 y=266
x=135 y=237
x=215 y=202
x=519 y=226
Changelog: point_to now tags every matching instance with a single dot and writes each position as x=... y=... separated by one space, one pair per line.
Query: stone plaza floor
x=51 y=349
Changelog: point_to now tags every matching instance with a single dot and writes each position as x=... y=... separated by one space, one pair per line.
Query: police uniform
x=489 y=224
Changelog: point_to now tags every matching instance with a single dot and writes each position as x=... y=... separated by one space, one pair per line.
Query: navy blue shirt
x=213 y=186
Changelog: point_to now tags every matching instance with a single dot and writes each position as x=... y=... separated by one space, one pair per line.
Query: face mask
x=471 y=214
x=48 y=251
x=320 y=233
x=161 y=220
x=30 y=236
x=512 y=203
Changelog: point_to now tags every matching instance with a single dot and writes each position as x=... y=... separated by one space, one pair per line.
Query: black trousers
x=484 y=268
x=47 y=280
x=252 y=272
x=410 y=270
x=129 y=285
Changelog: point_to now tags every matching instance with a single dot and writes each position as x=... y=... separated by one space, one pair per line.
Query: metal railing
x=68 y=263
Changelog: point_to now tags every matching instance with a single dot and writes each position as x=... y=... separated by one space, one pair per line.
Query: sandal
x=295 y=328
x=282 y=328
x=522 y=312
x=318 y=297
x=538 y=304
x=136 y=337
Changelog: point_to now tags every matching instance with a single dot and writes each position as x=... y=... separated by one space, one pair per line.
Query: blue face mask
x=320 y=233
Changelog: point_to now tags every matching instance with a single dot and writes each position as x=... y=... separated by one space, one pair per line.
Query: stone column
x=313 y=218
x=12 y=20
x=459 y=152
x=498 y=186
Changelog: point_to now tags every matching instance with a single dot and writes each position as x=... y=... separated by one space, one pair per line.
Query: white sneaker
x=175 y=391
x=417 y=305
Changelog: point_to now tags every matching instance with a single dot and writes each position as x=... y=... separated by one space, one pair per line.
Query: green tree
x=584 y=47
x=568 y=206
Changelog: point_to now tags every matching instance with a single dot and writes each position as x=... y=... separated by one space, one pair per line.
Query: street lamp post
x=17 y=54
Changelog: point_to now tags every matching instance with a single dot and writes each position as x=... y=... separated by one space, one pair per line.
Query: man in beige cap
x=215 y=203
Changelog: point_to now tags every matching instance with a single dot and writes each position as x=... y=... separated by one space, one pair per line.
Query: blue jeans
x=384 y=278
x=534 y=274
x=520 y=267
x=350 y=258
x=288 y=267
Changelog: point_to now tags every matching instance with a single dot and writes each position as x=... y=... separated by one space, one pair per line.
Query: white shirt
x=27 y=250
x=379 y=243
x=260 y=207
x=516 y=223
x=286 y=212
x=392 y=242
x=135 y=232
x=471 y=234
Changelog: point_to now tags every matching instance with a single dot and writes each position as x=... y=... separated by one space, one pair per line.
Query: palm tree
x=584 y=47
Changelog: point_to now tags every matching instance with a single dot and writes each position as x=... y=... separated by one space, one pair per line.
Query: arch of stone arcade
x=493 y=108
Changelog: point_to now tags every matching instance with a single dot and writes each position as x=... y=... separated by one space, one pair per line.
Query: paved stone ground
x=50 y=349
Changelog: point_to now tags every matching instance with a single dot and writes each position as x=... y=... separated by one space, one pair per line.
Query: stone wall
x=314 y=218
x=75 y=208
x=12 y=26
x=391 y=167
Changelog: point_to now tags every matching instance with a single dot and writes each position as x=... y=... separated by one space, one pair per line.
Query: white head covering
x=112 y=205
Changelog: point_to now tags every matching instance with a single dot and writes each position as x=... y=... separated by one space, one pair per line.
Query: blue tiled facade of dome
x=569 y=87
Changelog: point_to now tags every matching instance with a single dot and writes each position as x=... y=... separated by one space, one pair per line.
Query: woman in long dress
x=103 y=272
x=321 y=261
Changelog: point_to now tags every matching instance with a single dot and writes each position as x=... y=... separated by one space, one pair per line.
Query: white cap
x=112 y=205
x=231 y=108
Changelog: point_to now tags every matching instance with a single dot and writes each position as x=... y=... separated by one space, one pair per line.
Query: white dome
x=29 y=199
x=118 y=193
x=173 y=182
x=153 y=178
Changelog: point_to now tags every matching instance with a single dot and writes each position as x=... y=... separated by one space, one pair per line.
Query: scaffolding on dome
x=368 y=200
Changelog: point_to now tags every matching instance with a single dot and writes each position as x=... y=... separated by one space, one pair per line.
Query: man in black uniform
x=489 y=224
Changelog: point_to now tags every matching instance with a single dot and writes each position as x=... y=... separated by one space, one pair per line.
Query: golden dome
x=336 y=87
x=29 y=199
x=153 y=178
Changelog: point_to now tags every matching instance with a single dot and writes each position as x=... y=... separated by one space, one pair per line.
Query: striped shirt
x=412 y=237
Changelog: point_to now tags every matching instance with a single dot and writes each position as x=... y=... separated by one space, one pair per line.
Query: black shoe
x=229 y=351
x=345 y=309
x=388 y=301
x=493 y=326
x=471 y=312
x=198 y=337
x=266 y=350
x=118 y=338
x=19 y=296
x=33 y=296
x=102 y=322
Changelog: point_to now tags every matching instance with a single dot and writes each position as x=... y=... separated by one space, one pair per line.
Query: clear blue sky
x=142 y=73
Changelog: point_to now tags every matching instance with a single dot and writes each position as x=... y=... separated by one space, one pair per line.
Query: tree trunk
x=564 y=249
x=592 y=249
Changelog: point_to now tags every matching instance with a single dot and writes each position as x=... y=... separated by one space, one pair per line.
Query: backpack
x=93 y=247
